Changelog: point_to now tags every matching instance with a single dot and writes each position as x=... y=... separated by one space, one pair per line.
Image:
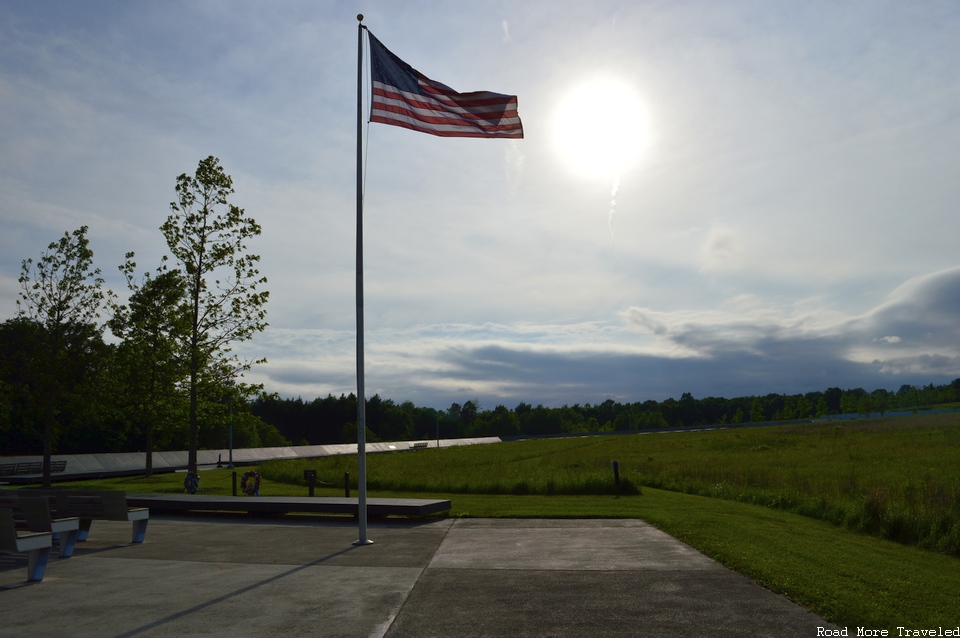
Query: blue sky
x=756 y=197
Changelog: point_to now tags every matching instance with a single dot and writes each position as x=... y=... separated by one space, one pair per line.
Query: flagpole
x=361 y=396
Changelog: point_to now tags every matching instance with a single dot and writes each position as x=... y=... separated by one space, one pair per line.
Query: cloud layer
x=744 y=348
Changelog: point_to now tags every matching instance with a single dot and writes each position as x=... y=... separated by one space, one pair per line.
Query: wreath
x=250 y=484
x=191 y=483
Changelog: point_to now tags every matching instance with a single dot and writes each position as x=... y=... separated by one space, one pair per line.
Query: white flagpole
x=361 y=397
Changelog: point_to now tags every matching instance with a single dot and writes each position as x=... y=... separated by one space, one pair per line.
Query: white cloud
x=722 y=251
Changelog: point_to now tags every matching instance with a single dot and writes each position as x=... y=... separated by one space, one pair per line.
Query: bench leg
x=67 y=542
x=84 y=529
x=37 y=563
x=140 y=530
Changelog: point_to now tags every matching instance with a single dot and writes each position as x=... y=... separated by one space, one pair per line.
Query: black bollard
x=346 y=484
x=234 y=483
x=311 y=476
x=616 y=476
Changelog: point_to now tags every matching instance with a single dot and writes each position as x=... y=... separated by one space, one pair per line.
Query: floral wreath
x=191 y=483
x=248 y=486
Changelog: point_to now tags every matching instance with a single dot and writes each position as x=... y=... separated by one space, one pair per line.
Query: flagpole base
x=363 y=542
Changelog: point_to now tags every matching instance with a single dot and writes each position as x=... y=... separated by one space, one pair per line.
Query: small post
x=234 y=483
x=311 y=476
x=616 y=476
x=346 y=484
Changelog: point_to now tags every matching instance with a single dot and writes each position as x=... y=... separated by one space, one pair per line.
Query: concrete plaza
x=235 y=576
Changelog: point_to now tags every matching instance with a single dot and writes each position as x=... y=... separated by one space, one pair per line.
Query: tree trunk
x=192 y=456
x=47 y=447
x=149 y=468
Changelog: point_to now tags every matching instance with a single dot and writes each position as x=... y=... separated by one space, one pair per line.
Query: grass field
x=805 y=510
x=896 y=478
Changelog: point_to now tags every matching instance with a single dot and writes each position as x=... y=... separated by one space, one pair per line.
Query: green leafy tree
x=497 y=422
x=62 y=294
x=154 y=327
x=789 y=410
x=207 y=235
x=650 y=419
x=848 y=403
x=881 y=400
x=866 y=405
x=822 y=409
x=20 y=343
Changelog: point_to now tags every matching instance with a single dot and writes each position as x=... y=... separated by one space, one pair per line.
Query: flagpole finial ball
x=360 y=17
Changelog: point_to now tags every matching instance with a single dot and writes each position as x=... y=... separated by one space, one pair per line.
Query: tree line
x=331 y=420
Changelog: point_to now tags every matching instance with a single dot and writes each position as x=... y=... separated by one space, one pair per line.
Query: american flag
x=402 y=96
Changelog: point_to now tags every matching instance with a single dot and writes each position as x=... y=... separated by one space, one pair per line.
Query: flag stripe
x=391 y=100
x=402 y=96
x=462 y=107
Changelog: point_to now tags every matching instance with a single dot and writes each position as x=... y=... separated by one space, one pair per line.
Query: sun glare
x=601 y=128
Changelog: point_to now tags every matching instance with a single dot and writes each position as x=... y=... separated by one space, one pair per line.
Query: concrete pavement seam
x=385 y=626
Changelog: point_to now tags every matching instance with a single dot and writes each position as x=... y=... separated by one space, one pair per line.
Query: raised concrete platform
x=441 y=577
x=376 y=507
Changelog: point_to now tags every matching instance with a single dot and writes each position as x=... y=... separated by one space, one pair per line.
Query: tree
x=154 y=328
x=62 y=295
x=832 y=397
x=789 y=410
x=881 y=400
x=848 y=403
x=822 y=409
x=207 y=235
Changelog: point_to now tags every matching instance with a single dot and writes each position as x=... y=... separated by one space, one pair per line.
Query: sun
x=601 y=128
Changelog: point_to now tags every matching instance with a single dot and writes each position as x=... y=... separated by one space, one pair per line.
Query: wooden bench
x=35 y=544
x=30 y=467
x=32 y=513
x=92 y=505
x=419 y=446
